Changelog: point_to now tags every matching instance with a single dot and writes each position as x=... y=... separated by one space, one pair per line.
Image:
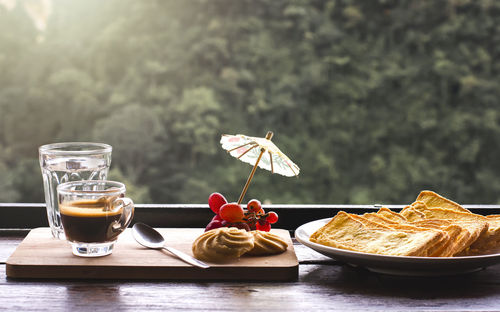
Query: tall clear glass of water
x=70 y=161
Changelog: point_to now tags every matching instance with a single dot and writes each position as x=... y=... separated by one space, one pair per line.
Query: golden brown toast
x=412 y=213
x=433 y=200
x=388 y=223
x=476 y=225
x=486 y=243
x=459 y=236
x=370 y=223
x=344 y=231
x=439 y=249
x=376 y=217
x=431 y=226
x=494 y=229
x=391 y=215
x=456 y=216
x=489 y=243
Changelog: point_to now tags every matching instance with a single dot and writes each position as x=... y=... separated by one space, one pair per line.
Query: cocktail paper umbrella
x=258 y=152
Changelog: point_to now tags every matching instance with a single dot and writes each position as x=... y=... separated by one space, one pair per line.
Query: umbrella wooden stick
x=271 y=160
x=250 y=177
x=269 y=135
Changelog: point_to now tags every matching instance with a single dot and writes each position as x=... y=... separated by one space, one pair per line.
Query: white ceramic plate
x=396 y=265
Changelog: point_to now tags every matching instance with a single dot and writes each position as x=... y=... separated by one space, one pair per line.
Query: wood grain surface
x=322 y=285
x=319 y=288
x=41 y=256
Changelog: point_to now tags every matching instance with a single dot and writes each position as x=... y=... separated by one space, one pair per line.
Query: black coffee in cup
x=90 y=221
x=93 y=214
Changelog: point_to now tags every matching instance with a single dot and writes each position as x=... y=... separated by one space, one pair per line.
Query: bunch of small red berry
x=233 y=215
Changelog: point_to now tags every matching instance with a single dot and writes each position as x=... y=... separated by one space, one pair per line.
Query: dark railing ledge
x=269 y=206
x=31 y=215
x=301 y=206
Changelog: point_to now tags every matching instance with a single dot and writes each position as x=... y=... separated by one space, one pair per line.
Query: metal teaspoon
x=151 y=238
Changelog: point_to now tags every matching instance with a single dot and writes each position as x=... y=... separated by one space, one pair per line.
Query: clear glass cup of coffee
x=93 y=214
x=70 y=161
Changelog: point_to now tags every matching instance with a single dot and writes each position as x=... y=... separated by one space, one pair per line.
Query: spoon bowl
x=151 y=238
x=147 y=236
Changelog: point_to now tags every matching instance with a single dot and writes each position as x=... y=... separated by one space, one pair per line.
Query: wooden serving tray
x=41 y=256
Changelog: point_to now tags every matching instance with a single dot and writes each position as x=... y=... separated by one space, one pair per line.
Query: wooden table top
x=323 y=284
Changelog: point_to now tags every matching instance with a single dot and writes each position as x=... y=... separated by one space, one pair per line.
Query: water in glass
x=60 y=168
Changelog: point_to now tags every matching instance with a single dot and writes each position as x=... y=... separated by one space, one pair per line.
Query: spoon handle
x=186 y=258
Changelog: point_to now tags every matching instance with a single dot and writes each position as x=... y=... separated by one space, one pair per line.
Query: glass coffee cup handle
x=127 y=205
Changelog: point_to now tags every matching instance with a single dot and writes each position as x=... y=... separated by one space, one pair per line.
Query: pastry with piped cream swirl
x=266 y=243
x=222 y=244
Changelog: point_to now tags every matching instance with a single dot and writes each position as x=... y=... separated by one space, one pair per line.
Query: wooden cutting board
x=41 y=256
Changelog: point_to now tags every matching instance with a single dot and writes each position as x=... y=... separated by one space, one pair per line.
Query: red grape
x=266 y=227
x=213 y=225
x=216 y=201
x=254 y=205
x=272 y=217
x=239 y=225
x=216 y=218
x=232 y=212
x=250 y=220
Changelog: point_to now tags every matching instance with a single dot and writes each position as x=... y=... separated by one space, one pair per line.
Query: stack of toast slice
x=347 y=232
x=432 y=226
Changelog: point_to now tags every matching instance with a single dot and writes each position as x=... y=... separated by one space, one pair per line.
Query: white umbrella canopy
x=260 y=152
x=248 y=149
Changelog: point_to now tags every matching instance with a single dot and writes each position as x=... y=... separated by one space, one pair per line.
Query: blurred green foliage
x=374 y=100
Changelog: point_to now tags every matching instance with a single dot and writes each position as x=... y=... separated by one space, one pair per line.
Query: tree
x=374 y=100
x=134 y=132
